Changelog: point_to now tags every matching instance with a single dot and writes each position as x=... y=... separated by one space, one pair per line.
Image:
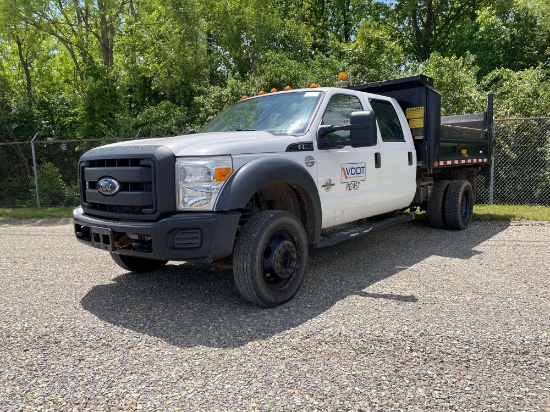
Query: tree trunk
x=25 y=64
x=106 y=39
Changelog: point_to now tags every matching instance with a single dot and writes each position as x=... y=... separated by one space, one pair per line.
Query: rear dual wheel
x=451 y=204
x=436 y=204
x=459 y=205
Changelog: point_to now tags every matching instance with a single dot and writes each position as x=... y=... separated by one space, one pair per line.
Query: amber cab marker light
x=288 y=88
x=261 y=92
x=244 y=97
x=274 y=90
x=436 y=164
x=343 y=76
x=312 y=86
x=222 y=173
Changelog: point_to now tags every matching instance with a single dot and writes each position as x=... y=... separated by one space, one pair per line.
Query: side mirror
x=363 y=131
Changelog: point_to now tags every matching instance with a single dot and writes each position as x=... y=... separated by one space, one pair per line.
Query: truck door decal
x=353 y=172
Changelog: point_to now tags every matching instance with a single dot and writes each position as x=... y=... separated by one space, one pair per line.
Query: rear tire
x=138 y=264
x=270 y=258
x=436 y=204
x=459 y=205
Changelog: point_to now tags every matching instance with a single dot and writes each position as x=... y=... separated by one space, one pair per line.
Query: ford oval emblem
x=108 y=186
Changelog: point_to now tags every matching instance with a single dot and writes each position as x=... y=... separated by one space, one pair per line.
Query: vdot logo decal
x=353 y=172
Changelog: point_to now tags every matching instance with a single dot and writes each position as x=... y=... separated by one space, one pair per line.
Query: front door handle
x=410 y=158
x=377 y=160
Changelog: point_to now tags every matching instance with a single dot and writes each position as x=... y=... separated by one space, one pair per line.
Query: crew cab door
x=397 y=158
x=348 y=180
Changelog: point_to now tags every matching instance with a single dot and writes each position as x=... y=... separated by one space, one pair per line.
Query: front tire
x=459 y=205
x=270 y=258
x=138 y=264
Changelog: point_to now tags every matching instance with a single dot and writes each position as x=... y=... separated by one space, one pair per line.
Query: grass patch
x=506 y=213
x=511 y=212
x=37 y=213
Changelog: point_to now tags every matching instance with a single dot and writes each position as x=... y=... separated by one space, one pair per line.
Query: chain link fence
x=50 y=166
x=521 y=168
x=521 y=163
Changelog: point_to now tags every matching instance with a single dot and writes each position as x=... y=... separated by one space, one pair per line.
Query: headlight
x=199 y=180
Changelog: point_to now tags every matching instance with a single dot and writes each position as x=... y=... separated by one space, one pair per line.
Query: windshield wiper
x=245 y=130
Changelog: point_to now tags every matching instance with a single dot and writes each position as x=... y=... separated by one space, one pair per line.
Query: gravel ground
x=409 y=318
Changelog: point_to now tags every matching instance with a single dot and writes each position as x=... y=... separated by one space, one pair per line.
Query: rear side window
x=388 y=121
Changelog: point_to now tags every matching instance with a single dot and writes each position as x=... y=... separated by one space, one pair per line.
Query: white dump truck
x=276 y=174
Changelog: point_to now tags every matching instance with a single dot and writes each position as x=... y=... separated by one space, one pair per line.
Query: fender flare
x=258 y=173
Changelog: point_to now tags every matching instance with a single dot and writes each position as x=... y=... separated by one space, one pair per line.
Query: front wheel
x=270 y=258
x=137 y=264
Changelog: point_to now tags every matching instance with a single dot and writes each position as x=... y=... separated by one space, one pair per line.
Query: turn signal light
x=222 y=173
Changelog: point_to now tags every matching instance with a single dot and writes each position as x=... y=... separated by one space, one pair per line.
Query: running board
x=363 y=229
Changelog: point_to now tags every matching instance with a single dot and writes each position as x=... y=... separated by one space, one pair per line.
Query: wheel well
x=283 y=196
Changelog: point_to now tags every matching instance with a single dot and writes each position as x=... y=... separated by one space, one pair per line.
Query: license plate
x=102 y=238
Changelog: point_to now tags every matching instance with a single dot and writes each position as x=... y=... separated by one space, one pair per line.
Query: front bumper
x=178 y=237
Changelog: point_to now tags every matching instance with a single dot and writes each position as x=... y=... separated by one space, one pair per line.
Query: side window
x=338 y=113
x=388 y=121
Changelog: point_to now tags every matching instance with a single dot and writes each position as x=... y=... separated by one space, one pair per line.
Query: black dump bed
x=440 y=142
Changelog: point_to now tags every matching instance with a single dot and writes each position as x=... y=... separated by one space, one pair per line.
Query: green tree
x=519 y=94
x=427 y=26
x=456 y=79
x=374 y=55
x=509 y=34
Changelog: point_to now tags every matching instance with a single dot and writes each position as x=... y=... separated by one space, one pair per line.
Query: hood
x=219 y=143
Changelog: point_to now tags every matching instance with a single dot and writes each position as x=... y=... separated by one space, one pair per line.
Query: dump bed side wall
x=464 y=138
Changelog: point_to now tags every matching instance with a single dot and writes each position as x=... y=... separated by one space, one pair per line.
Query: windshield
x=278 y=113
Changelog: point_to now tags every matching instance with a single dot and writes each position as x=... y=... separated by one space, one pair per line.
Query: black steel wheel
x=270 y=258
x=137 y=264
x=459 y=205
x=436 y=204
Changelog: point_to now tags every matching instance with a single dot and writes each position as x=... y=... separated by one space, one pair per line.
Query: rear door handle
x=377 y=160
x=410 y=158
